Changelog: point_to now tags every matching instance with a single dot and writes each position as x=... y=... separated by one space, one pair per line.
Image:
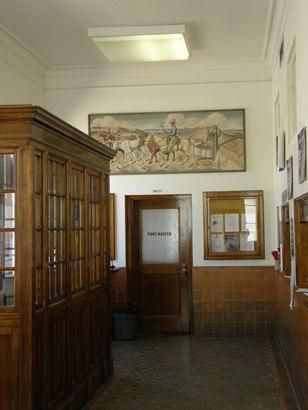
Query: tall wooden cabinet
x=54 y=262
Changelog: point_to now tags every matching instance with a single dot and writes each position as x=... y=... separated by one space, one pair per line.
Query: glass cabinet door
x=94 y=224
x=78 y=249
x=57 y=286
x=7 y=230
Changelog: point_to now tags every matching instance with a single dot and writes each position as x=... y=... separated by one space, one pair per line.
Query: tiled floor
x=195 y=372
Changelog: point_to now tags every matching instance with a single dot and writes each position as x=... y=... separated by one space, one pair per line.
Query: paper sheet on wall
x=232 y=223
x=292 y=283
x=217 y=242
x=217 y=224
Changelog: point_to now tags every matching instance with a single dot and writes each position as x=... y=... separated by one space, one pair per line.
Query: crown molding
x=276 y=29
x=158 y=74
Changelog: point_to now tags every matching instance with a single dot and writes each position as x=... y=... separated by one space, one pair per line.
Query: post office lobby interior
x=228 y=285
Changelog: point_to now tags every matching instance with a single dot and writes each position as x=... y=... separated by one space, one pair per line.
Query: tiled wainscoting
x=226 y=300
x=119 y=289
x=234 y=300
x=292 y=331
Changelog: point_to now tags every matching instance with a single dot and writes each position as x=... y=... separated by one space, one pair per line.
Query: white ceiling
x=56 y=31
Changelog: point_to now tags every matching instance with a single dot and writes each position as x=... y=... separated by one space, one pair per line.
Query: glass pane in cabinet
x=82 y=248
x=77 y=183
x=61 y=214
x=6 y=171
x=7 y=288
x=75 y=243
x=77 y=213
x=7 y=210
x=94 y=188
x=38 y=248
x=38 y=211
x=51 y=212
x=61 y=245
x=7 y=249
x=38 y=173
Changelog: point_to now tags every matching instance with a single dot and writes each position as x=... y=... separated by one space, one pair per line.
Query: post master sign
x=159 y=234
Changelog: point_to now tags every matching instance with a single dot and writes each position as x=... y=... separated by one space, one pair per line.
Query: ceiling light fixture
x=141 y=43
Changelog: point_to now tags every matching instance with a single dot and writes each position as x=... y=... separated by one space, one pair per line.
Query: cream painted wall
x=21 y=75
x=17 y=88
x=295 y=32
x=74 y=105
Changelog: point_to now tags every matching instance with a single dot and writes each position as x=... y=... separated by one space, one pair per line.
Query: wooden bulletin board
x=233 y=225
x=301 y=240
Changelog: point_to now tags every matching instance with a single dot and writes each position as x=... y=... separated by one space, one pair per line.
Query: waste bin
x=124 y=324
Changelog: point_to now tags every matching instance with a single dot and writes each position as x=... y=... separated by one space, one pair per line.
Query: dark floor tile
x=195 y=372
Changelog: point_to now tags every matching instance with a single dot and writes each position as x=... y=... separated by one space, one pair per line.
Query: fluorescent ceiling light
x=137 y=44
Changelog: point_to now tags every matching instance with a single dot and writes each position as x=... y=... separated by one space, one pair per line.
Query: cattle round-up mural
x=173 y=142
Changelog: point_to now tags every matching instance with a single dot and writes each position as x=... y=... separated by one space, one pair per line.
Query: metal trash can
x=124 y=324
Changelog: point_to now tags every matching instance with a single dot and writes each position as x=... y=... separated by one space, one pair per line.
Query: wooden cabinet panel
x=77 y=344
x=95 y=332
x=54 y=262
x=39 y=352
x=9 y=363
x=57 y=353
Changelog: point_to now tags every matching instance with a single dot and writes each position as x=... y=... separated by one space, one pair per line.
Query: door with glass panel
x=159 y=261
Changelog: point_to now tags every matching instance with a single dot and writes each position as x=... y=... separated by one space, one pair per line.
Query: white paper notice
x=292 y=283
x=217 y=223
x=217 y=242
x=232 y=223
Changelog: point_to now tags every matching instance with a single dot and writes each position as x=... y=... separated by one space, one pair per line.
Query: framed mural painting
x=173 y=142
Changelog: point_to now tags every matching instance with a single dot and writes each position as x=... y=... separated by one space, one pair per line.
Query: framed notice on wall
x=301 y=141
x=233 y=225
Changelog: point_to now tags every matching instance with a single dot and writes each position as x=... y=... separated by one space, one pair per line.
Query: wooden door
x=159 y=261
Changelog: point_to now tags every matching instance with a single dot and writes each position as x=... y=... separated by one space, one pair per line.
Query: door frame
x=132 y=282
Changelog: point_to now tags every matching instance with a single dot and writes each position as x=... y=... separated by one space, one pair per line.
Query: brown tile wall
x=292 y=331
x=226 y=300
x=119 y=289
x=234 y=300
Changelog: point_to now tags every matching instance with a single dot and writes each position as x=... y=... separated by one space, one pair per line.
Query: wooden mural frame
x=173 y=142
